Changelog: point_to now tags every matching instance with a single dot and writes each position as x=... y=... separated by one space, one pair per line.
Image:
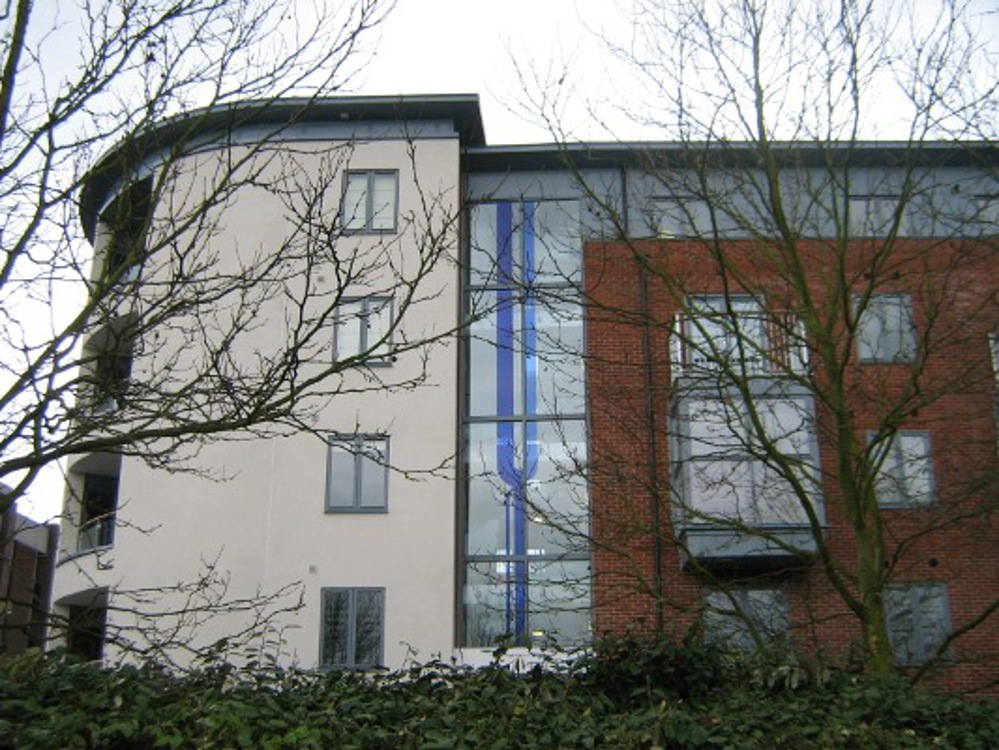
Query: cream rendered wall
x=263 y=526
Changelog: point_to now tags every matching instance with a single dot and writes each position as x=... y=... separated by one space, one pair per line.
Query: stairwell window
x=905 y=474
x=357 y=474
x=886 y=330
x=370 y=201
x=918 y=621
x=363 y=328
x=353 y=621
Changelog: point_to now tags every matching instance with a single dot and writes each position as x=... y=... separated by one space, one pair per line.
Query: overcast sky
x=474 y=46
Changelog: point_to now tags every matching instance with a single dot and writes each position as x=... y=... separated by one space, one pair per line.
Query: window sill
x=356 y=511
x=368 y=232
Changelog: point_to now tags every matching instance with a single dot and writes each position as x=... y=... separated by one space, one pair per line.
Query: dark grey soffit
x=719 y=155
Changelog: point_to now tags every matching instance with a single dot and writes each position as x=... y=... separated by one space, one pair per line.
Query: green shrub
x=626 y=693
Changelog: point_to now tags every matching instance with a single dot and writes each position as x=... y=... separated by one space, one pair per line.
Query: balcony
x=96 y=534
x=745 y=474
x=741 y=340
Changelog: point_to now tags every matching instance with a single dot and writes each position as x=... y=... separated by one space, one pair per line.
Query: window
x=97 y=512
x=110 y=374
x=723 y=461
x=886 y=331
x=126 y=221
x=370 y=201
x=86 y=627
x=352 y=625
x=918 y=622
x=357 y=474
x=526 y=575
x=722 y=332
x=905 y=475
x=742 y=618
x=682 y=216
x=364 y=327
x=874 y=215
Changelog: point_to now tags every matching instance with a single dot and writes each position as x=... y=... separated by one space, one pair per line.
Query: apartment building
x=603 y=408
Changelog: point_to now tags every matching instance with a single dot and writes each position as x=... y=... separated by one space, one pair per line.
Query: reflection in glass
x=528 y=510
x=556 y=607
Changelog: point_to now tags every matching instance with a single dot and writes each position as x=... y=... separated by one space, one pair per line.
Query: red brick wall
x=954 y=291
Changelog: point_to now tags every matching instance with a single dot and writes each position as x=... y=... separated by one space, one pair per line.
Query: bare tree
x=73 y=327
x=795 y=315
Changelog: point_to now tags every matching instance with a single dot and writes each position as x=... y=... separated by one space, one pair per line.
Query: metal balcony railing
x=96 y=533
x=764 y=344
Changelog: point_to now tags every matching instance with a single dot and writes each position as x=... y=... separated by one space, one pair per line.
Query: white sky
x=469 y=46
x=475 y=46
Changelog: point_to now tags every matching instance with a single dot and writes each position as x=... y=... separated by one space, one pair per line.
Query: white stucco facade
x=257 y=522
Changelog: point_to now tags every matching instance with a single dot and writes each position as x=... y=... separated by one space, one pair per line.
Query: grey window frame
x=356 y=450
x=369 y=209
x=744 y=449
x=871 y=352
x=898 y=463
x=376 y=358
x=352 y=615
x=553 y=271
x=86 y=631
x=925 y=635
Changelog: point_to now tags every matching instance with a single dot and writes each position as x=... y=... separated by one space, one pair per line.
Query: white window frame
x=353 y=595
x=361 y=312
x=925 y=606
x=904 y=463
x=365 y=453
x=369 y=218
x=886 y=315
x=727 y=610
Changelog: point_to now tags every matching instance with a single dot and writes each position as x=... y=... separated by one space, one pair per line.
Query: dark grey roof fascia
x=462 y=109
x=597 y=155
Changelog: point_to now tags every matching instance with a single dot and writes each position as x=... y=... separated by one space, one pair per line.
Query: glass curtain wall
x=527 y=569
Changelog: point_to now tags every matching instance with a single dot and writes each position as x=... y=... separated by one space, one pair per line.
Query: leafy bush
x=626 y=693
